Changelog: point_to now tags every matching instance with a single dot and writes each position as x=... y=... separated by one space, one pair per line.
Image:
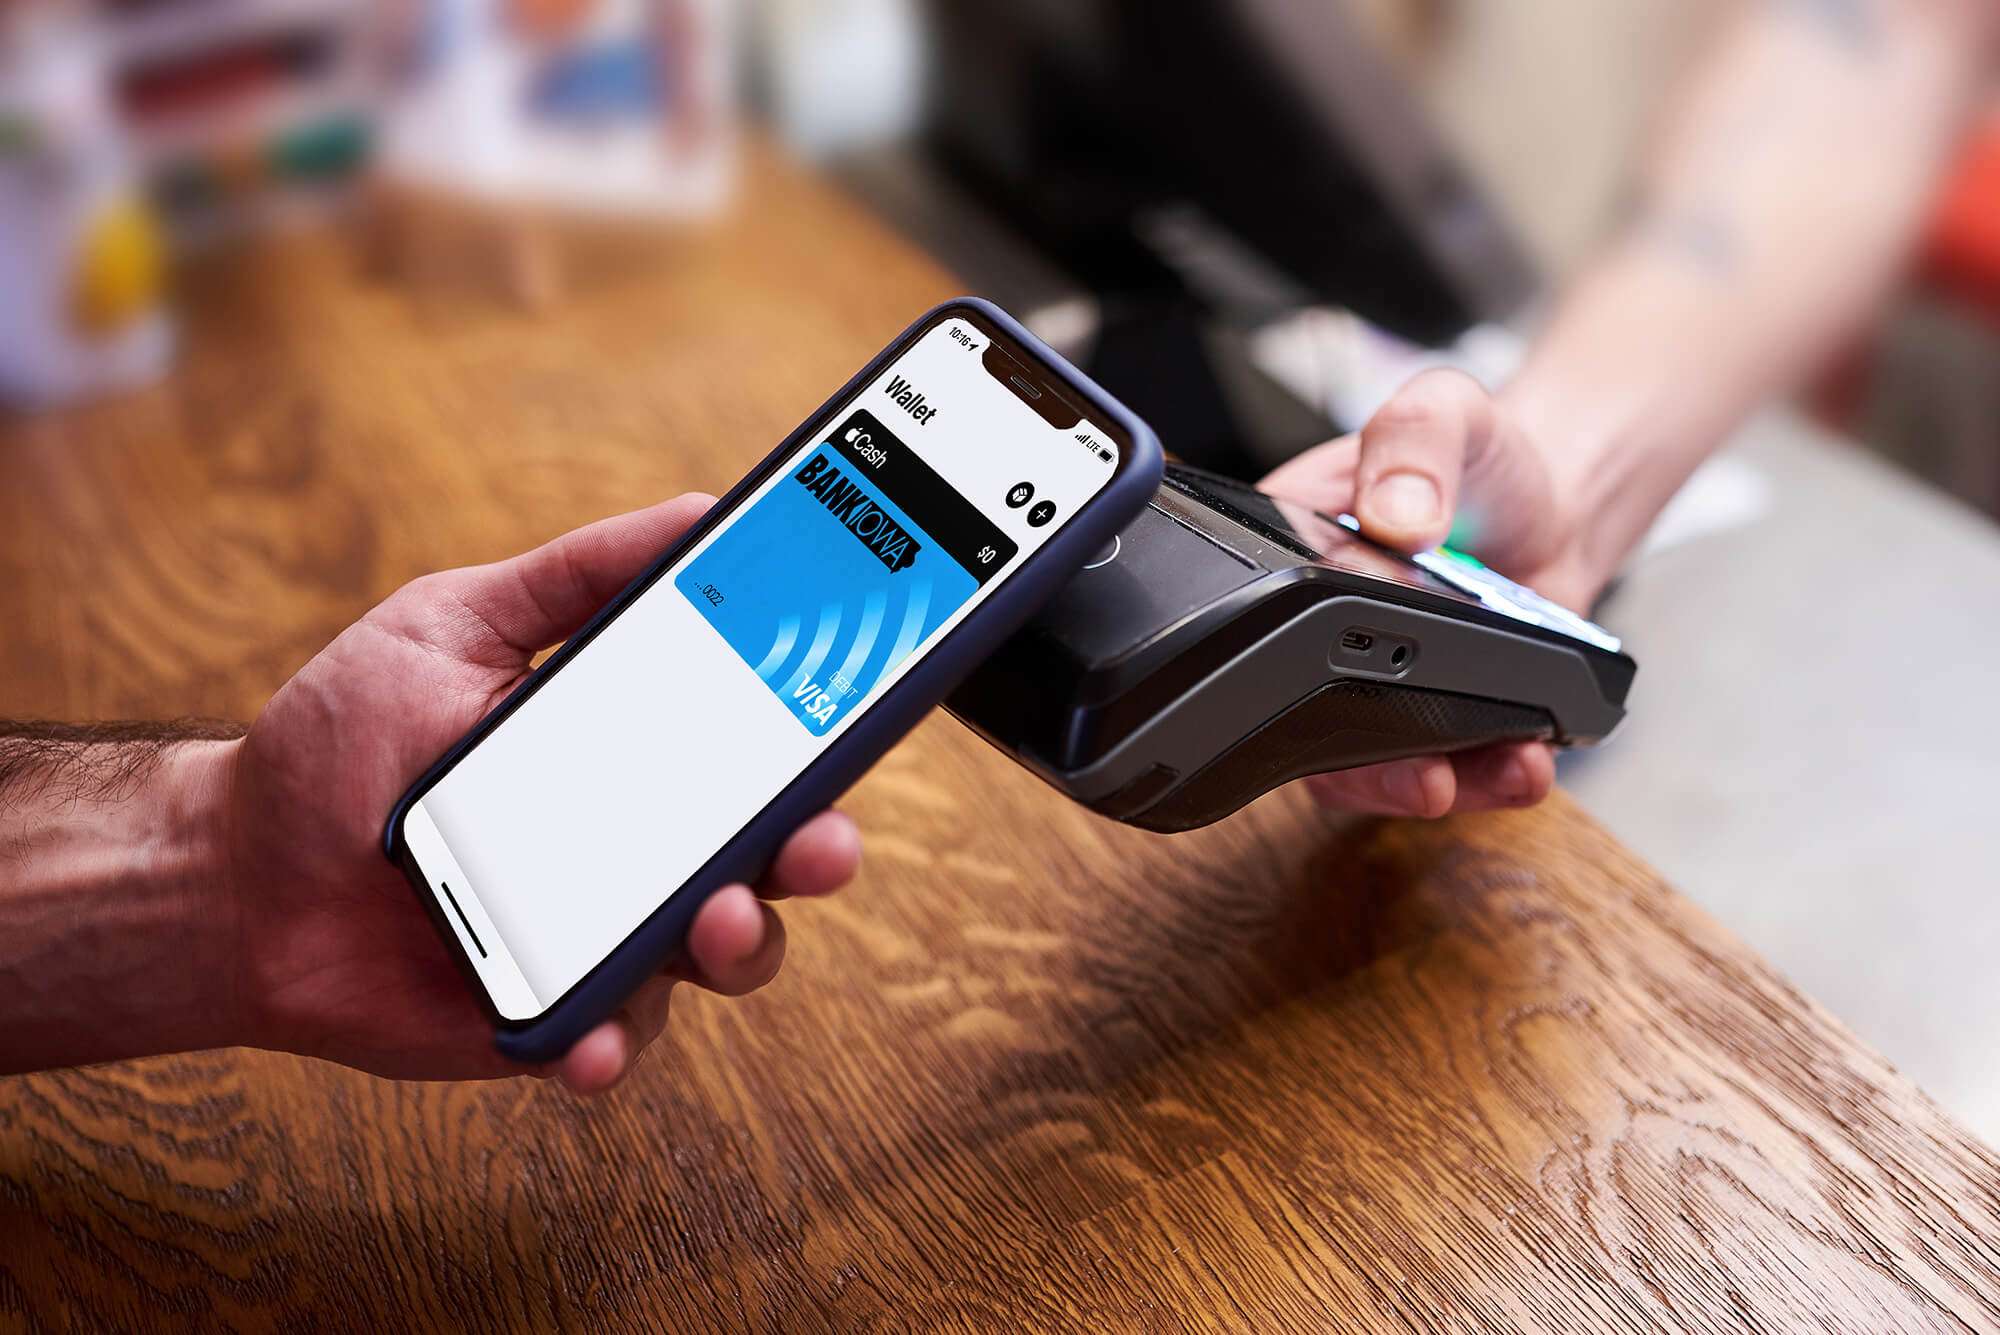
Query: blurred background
x=1815 y=615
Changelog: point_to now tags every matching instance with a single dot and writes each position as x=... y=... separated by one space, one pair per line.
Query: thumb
x=1414 y=452
x=544 y=596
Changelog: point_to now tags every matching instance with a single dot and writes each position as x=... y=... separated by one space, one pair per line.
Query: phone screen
x=633 y=764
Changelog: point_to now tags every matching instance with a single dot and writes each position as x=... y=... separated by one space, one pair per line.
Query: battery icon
x=1104 y=454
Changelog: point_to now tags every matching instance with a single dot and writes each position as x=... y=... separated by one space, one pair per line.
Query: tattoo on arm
x=91 y=762
x=1706 y=238
x=1856 y=23
x=1703 y=236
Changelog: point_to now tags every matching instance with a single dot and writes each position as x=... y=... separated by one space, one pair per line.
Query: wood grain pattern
x=1035 y=1072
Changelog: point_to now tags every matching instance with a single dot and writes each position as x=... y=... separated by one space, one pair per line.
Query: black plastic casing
x=748 y=853
x=1206 y=663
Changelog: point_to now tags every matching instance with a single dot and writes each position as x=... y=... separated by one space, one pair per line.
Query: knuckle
x=1330 y=790
x=1439 y=406
x=424 y=591
x=1405 y=416
x=1541 y=784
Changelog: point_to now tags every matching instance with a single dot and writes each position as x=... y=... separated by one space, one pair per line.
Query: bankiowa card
x=826 y=583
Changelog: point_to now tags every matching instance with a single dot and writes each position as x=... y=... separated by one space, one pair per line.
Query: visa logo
x=817 y=703
x=909 y=400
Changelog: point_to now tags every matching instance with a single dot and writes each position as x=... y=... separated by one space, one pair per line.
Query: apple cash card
x=836 y=573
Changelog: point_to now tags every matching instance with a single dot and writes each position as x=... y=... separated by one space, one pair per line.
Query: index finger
x=1321 y=477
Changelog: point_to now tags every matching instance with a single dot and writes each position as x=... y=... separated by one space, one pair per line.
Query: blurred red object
x=1958 y=261
x=1962 y=251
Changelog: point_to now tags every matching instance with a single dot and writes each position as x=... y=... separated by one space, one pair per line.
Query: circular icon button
x=1042 y=514
x=1019 y=495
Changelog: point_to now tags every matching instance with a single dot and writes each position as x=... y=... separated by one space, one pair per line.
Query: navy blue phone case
x=600 y=993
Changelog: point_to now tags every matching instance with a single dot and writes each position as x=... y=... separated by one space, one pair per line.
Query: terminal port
x=1374 y=652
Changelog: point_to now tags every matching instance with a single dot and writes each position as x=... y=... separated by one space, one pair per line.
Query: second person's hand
x=1443 y=458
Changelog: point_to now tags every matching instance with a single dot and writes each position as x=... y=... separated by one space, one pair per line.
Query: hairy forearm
x=1775 y=214
x=117 y=927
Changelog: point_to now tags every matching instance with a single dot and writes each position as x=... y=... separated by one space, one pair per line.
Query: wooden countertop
x=1034 y=1071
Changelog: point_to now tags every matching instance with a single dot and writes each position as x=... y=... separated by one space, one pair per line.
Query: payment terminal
x=1228 y=642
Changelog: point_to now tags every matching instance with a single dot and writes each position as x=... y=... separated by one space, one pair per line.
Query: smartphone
x=762 y=664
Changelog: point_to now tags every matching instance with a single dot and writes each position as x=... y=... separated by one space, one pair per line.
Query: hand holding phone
x=760 y=665
x=330 y=955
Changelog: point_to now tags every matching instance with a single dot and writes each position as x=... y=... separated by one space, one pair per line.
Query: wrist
x=1579 y=455
x=199 y=873
x=1628 y=387
x=168 y=888
x=117 y=935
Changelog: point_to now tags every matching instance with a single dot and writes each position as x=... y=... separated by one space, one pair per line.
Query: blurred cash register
x=1155 y=184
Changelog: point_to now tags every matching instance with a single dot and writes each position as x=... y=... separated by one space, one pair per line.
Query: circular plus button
x=1043 y=512
x=1019 y=495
